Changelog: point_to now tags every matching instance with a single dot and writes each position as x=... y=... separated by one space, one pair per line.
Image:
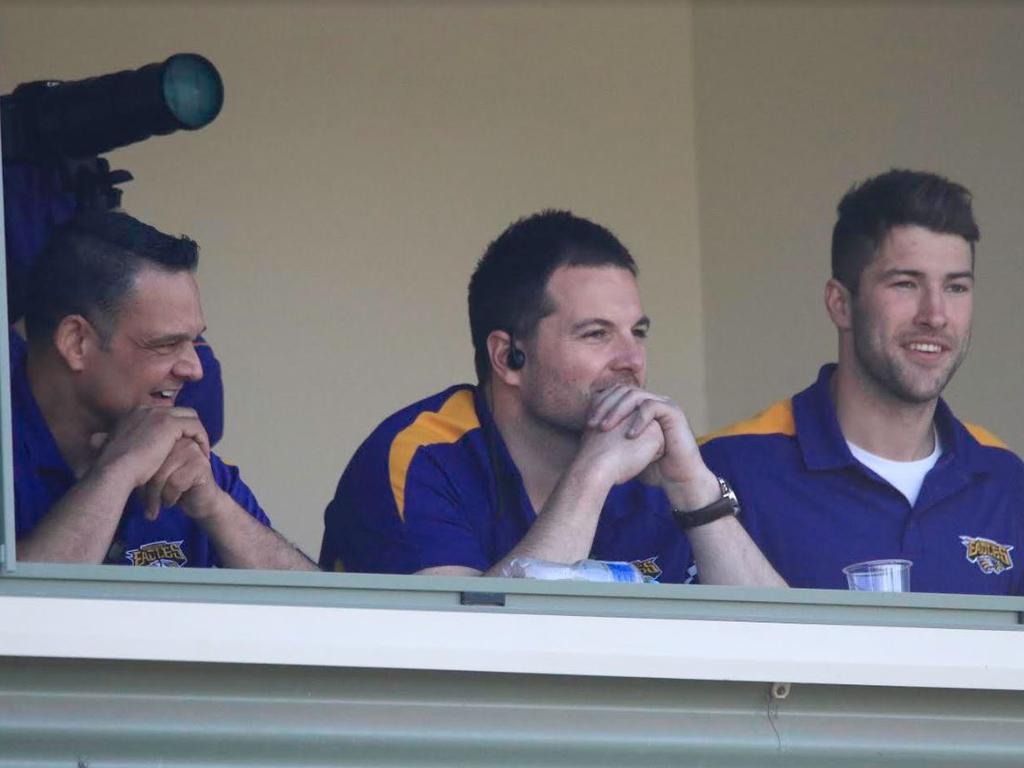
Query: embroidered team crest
x=158 y=554
x=649 y=567
x=990 y=556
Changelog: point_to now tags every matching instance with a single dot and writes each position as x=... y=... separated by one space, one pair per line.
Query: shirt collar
x=817 y=426
x=824 y=446
x=483 y=412
x=509 y=486
x=958 y=445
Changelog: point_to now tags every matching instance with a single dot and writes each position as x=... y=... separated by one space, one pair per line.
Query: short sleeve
x=229 y=479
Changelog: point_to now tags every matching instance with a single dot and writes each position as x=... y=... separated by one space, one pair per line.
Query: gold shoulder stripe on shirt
x=985 y=437
x=776 y=419
x=456 y=417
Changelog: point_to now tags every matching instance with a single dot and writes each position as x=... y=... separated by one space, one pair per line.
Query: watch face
x=730 y=494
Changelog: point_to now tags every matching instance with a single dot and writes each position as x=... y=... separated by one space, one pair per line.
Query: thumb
x=98 y=439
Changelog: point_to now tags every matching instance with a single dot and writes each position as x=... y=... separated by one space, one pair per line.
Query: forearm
x=564 y=529
x=723 y=550
x=79 y=527
x=244 y=542
x=725 y=554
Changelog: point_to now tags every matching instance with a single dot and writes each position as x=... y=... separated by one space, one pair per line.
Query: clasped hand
x=635 y=432
x=166 y=451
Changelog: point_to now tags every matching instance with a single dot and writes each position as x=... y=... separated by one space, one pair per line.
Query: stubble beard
x=897 y=378
x=563 y=408
x=562 y=413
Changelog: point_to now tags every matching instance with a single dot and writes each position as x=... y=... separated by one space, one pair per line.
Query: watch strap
x=727 y=504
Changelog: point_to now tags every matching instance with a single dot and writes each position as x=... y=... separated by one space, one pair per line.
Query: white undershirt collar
x=907 y=477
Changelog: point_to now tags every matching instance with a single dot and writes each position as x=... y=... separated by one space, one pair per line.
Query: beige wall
x=797 y=101
x=366 y=155
x=368 y=152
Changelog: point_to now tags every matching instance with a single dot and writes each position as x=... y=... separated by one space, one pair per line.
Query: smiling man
x=558 y=453
x=107 y=469
x=869 y=462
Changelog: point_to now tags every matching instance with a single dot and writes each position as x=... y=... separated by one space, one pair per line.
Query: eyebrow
x=173 y=338
x=890 y=273
x=644 y=321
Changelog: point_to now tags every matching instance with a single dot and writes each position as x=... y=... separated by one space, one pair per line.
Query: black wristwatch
x=728 y=504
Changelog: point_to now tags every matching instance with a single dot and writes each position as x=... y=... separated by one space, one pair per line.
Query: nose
x=931 y=309
x=631 y=355
x=188 y=367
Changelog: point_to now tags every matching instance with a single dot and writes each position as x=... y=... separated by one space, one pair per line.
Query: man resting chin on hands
x=548 y=455
x=106 y=468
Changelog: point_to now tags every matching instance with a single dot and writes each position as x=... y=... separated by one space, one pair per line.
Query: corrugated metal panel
x=106 y=714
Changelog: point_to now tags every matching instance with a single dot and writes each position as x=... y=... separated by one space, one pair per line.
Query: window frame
x=8 y=550
x=681 y=632
x=496 y=625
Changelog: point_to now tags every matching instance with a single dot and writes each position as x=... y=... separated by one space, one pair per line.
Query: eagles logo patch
x=649 y=567
x=158 y=554
x=990 y=556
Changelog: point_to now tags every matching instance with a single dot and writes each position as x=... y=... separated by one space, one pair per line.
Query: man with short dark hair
x=545 y=457
x=869 y=463
x=107 y=469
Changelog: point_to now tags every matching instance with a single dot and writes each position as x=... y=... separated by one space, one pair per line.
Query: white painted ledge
x=495 y=642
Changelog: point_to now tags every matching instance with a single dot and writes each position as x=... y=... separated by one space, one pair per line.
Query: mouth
x=165 y=396
x=629 y=381
x=927 y=350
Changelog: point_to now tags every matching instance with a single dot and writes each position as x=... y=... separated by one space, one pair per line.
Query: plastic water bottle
x=581 y=570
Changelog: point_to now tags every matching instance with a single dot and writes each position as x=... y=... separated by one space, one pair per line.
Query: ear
x=498 y=345
x=838 y=302
x=75 y=338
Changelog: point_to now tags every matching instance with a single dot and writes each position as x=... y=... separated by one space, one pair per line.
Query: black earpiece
x=516 y=358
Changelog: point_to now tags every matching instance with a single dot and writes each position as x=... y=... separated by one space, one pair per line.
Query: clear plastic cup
x=879 y=576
